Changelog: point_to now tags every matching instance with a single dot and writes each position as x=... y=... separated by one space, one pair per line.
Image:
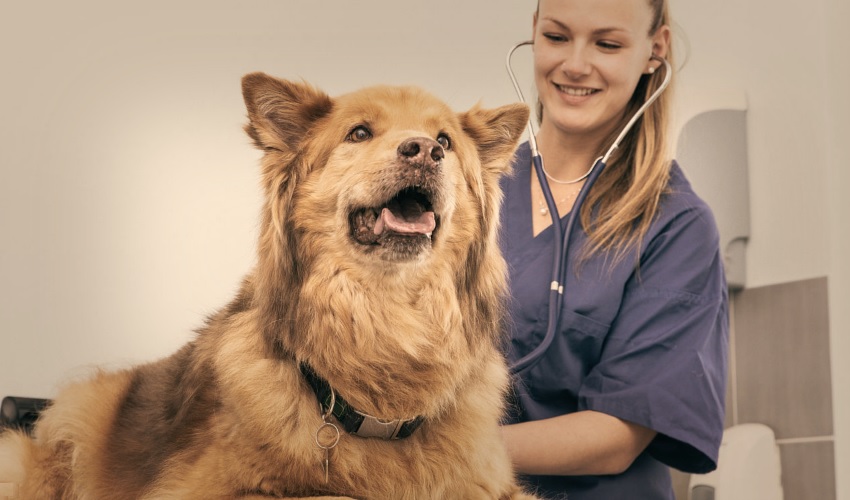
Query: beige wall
x=128 y=192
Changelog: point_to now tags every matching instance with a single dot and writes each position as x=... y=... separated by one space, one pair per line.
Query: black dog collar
x=353 y=421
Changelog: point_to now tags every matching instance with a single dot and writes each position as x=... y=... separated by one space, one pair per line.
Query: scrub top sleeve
x=664 y=362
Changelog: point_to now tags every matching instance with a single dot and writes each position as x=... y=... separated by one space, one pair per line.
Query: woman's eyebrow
x=598 y=31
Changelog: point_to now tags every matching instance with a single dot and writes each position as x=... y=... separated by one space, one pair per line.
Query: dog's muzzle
x=406 y=222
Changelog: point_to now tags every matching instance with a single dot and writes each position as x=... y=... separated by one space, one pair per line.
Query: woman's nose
x=576 y=63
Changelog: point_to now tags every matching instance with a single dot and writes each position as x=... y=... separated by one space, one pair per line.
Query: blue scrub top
x=644 y=343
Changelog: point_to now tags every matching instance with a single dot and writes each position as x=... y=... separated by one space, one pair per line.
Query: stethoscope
x=562 y=235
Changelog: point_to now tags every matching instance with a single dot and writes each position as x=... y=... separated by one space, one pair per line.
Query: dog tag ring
x=331 y=440
x=328 y=443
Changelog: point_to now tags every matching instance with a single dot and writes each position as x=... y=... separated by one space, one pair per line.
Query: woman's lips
x=575 y=91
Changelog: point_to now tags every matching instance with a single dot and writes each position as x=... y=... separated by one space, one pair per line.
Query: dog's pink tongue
x=422 y=223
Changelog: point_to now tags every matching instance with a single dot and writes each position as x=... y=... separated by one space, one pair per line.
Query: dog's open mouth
x=408 y=214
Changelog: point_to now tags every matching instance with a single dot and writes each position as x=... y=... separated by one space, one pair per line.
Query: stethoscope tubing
x=561 y=236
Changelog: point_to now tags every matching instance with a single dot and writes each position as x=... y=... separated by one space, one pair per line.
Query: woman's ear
x=660 y=48
x=661 y=41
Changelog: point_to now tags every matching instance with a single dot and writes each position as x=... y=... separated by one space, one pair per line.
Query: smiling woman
x=589 y=58
x=634 y=377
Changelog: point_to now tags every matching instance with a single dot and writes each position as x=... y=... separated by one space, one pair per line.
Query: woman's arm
x=581 y=443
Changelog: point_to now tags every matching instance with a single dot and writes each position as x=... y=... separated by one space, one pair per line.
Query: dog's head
x=385 y=181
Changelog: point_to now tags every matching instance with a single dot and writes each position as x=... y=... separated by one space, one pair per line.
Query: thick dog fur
x=401 y=323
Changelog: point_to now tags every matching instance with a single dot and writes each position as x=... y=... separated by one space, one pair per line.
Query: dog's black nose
x=421 y=150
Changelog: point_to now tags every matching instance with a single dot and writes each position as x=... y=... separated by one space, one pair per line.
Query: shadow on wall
x=720 y=174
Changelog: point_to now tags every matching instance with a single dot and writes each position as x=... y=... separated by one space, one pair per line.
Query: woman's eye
x=610 y=45
x=359 y=133
x=443 y=140
x=555 y=37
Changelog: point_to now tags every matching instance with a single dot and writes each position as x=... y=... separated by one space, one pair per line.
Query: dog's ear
x=281 y=112
x=496 y=132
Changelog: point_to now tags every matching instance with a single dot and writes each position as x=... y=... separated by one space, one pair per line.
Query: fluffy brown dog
x=361 y=356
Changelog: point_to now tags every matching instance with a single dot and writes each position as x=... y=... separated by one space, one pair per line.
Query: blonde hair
x=624 y=199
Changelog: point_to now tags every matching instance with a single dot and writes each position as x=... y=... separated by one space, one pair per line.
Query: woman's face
x=588 y=58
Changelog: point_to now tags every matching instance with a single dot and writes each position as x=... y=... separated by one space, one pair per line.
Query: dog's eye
x=359 y=133
x=444 y=141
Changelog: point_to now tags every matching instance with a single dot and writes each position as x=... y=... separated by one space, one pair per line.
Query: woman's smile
x=575 y=91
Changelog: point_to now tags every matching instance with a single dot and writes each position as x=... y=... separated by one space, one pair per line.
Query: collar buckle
x=372 y=427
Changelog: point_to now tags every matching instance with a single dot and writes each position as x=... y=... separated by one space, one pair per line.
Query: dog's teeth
x=378 y=228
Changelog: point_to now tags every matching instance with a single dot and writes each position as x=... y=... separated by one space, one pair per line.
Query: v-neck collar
x=519 y=243
x=521 y=211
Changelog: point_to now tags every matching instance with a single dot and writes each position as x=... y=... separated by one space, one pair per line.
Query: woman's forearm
x=581 y=443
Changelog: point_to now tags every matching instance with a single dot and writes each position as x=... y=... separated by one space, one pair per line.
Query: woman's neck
x=566 y=157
